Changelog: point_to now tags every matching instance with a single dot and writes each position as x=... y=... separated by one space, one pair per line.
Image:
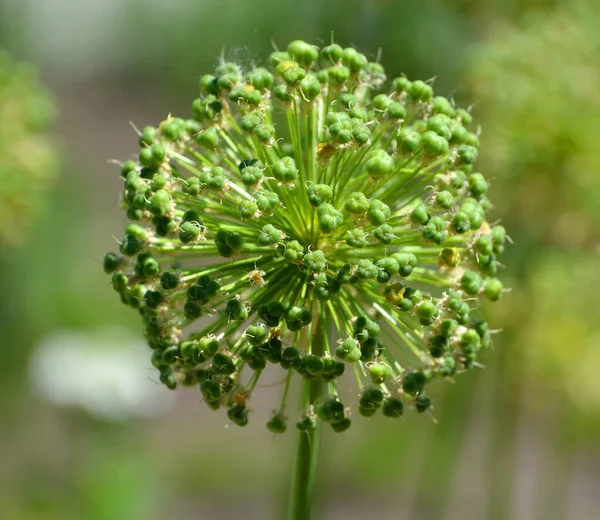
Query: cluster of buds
x=29 y=159
x=303 y=217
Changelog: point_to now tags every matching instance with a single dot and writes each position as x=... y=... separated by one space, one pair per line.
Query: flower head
x=29 y=160
x=308 y=217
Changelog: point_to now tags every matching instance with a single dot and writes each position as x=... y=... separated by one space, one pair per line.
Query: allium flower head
x=316 y=216
x=28 y=160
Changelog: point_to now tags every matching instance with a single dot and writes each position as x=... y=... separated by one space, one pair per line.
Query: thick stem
x=307 y=447
x=303 y=483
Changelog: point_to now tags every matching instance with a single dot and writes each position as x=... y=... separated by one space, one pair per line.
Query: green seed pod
x=393 y=407
x=413 y=383
x=211 y=390
x=290 y=358
x=130 y=246
x=422 y=403
x=318 y=194
x=360 y=133
x=420 y=91
x=173 y=131
x=427 y=312
x=112 y=263
x=303 y=52
x=119 y=282
x=484 y=245
x=353 y=59
x=152 y=299
x=441 y=105
x=379 y=164
x=384 y=233
x=406 y=263
x=209 y=138
x=469 y=341
x=313 y=364
x=329 y=218
x=208 y=346
x=331 y=53
x=323 y=76
x=419 y=215
x=379 y=372
x=435 y=230
x=389 y=265
x=277 y=424
x=236 y=310
x=356 y=238
x=168 y=379
x=378 y=212
x=248 y=209
x=381 y=102
x=433 y=144
x=187 y=348
x=147 y=138
x=331 y=411
x=310 y=87
x=264 y=132
x=339 y=74
x=256 y=334
x=409 y=140
x=249 y=122
x=438 y=345
x=464 y=116
x=315 y=261
x=347 y=100
x=160 y=203
x=281 y=93
x=188 y=232
x=493 y=289
x=222 y=364
x=294 y=252
x=460 y=223
x=261 y=78
x=306 y=424
x=471 y=282
x=342 y=425
x=285 y=170
x=449 y=257
x=396 y=110
x=477 y=185
x=467 y=154
x=267 y=201
x=444 y=199
x=348 y=350
x=448 y=328
x=238 y=415
x=357 y=203
x=371 y=399
x=269 y=236
x=440 y=125
x=366 y=270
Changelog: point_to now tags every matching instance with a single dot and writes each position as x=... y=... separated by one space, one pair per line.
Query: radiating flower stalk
x=322 y=219
x=28 y=158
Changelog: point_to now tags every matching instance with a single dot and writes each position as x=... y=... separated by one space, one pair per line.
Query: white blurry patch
x=107 y=372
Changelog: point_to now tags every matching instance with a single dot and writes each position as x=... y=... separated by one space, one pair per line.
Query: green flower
x=307 y=217
x=28 y=161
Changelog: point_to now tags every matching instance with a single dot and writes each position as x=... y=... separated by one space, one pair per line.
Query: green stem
x=307 y=444
x=303 y=483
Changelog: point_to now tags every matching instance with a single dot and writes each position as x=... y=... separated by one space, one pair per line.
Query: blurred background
x=86 y=433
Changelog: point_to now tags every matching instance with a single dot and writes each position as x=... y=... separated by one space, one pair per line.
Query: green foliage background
x=529 y=421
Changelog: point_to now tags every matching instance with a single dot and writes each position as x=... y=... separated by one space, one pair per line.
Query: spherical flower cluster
x=28 y=161
x=310 y=218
